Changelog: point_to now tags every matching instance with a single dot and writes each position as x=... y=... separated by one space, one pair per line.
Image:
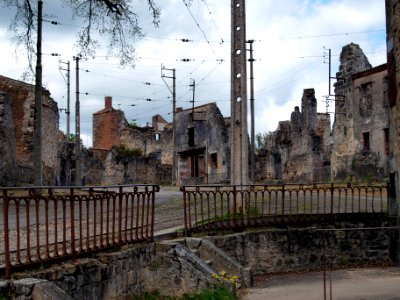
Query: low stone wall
x=293 y=249
x=186 y=265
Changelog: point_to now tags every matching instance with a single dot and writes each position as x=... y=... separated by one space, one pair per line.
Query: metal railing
x=48 y=223
x=229 y=207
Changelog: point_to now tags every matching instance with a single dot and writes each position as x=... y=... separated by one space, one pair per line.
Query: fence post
x=72 y=207
x=283 y=204
x=6 y=234
x=332 y=189
x=120 y=195
x=234 y=207
x=184 y=210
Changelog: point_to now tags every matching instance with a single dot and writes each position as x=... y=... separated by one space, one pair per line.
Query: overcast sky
x=290 y=37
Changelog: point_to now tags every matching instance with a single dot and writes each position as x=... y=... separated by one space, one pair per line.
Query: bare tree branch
x=116 y=21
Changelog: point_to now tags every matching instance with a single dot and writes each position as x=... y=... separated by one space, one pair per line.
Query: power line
x=215 y=25
x=198 y=26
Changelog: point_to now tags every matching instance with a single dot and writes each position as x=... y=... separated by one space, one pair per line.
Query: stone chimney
x=108 y=102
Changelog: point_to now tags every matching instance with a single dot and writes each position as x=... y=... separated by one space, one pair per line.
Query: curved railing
x=48 y=223
x=230 y=207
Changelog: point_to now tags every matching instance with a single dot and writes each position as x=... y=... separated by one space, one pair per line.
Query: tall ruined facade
x=202 y=145
x=299 y=150
x=361 y=128
x=18 y=109
x=393 y=61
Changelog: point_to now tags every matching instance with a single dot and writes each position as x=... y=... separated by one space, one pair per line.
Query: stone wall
x=116 y=169
x=202 y=140
x=292 y=249
x=361 y=119
x=8 y=169
x=393 y=60
x=299 y=150
x=21 y=97
x=186 y=265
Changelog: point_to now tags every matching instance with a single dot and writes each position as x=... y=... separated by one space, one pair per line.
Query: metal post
x=68 y=99
x=252 y=145
x=37 y=153
x=173 y=91
x=77 y=129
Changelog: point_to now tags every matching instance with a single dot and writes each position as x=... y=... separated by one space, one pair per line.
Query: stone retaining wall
x=186 y=265
x=287 y=250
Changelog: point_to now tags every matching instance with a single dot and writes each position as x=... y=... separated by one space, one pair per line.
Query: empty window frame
x=214 y=160
x=366 y=141
x=191 y=137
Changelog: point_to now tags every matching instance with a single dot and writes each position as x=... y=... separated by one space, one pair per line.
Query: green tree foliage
x=116 y=22
x=264 y=140
x=125 y=152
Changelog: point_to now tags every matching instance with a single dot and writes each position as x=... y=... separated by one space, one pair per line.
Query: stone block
x=49 y=291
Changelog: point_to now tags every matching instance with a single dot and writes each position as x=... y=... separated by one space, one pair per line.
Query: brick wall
x=21 y=95
x=107 y=125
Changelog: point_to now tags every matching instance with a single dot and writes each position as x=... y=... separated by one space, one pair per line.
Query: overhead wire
x=215 y=25
x=199 y=27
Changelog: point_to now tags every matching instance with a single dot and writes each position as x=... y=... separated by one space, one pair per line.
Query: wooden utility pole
x=37 y=152
x=239 y=173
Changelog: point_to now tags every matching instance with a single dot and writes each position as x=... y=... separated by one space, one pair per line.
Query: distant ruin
x=299 y=150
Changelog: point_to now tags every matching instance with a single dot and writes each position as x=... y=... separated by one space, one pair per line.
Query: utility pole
x=68 y=96
x=252 y=145
x=173 y=91
x=193 y=86
x=239 y=173
x=78 y=180
x=37 y=152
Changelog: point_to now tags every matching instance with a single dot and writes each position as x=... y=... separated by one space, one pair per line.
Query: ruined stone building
x=123 y=153
x=393 y=61
x=299 y=150
x=361 y=127
x=17 y=135
x=202 y=137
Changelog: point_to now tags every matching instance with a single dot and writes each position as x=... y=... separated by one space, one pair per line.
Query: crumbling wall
x=360 y=130
x=120 y=169
x=107 y=125
x=393 y=61
x=202 y=145
x=22 y=104
x=300 y=148
x=8 y=170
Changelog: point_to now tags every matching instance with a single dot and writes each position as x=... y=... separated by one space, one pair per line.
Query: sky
x=291 y=42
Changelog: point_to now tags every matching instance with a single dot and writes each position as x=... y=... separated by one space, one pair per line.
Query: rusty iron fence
x=230 y=207
x=42 y=224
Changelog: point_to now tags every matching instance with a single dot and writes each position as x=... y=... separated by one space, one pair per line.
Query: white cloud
x=288 y=59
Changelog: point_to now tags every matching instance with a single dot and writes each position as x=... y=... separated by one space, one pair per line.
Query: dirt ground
x=364 y=283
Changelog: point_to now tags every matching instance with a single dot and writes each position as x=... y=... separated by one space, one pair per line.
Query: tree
x=264 y=140
x=110 y=19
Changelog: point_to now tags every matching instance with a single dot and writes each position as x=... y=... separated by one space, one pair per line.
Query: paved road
x=366 y=284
